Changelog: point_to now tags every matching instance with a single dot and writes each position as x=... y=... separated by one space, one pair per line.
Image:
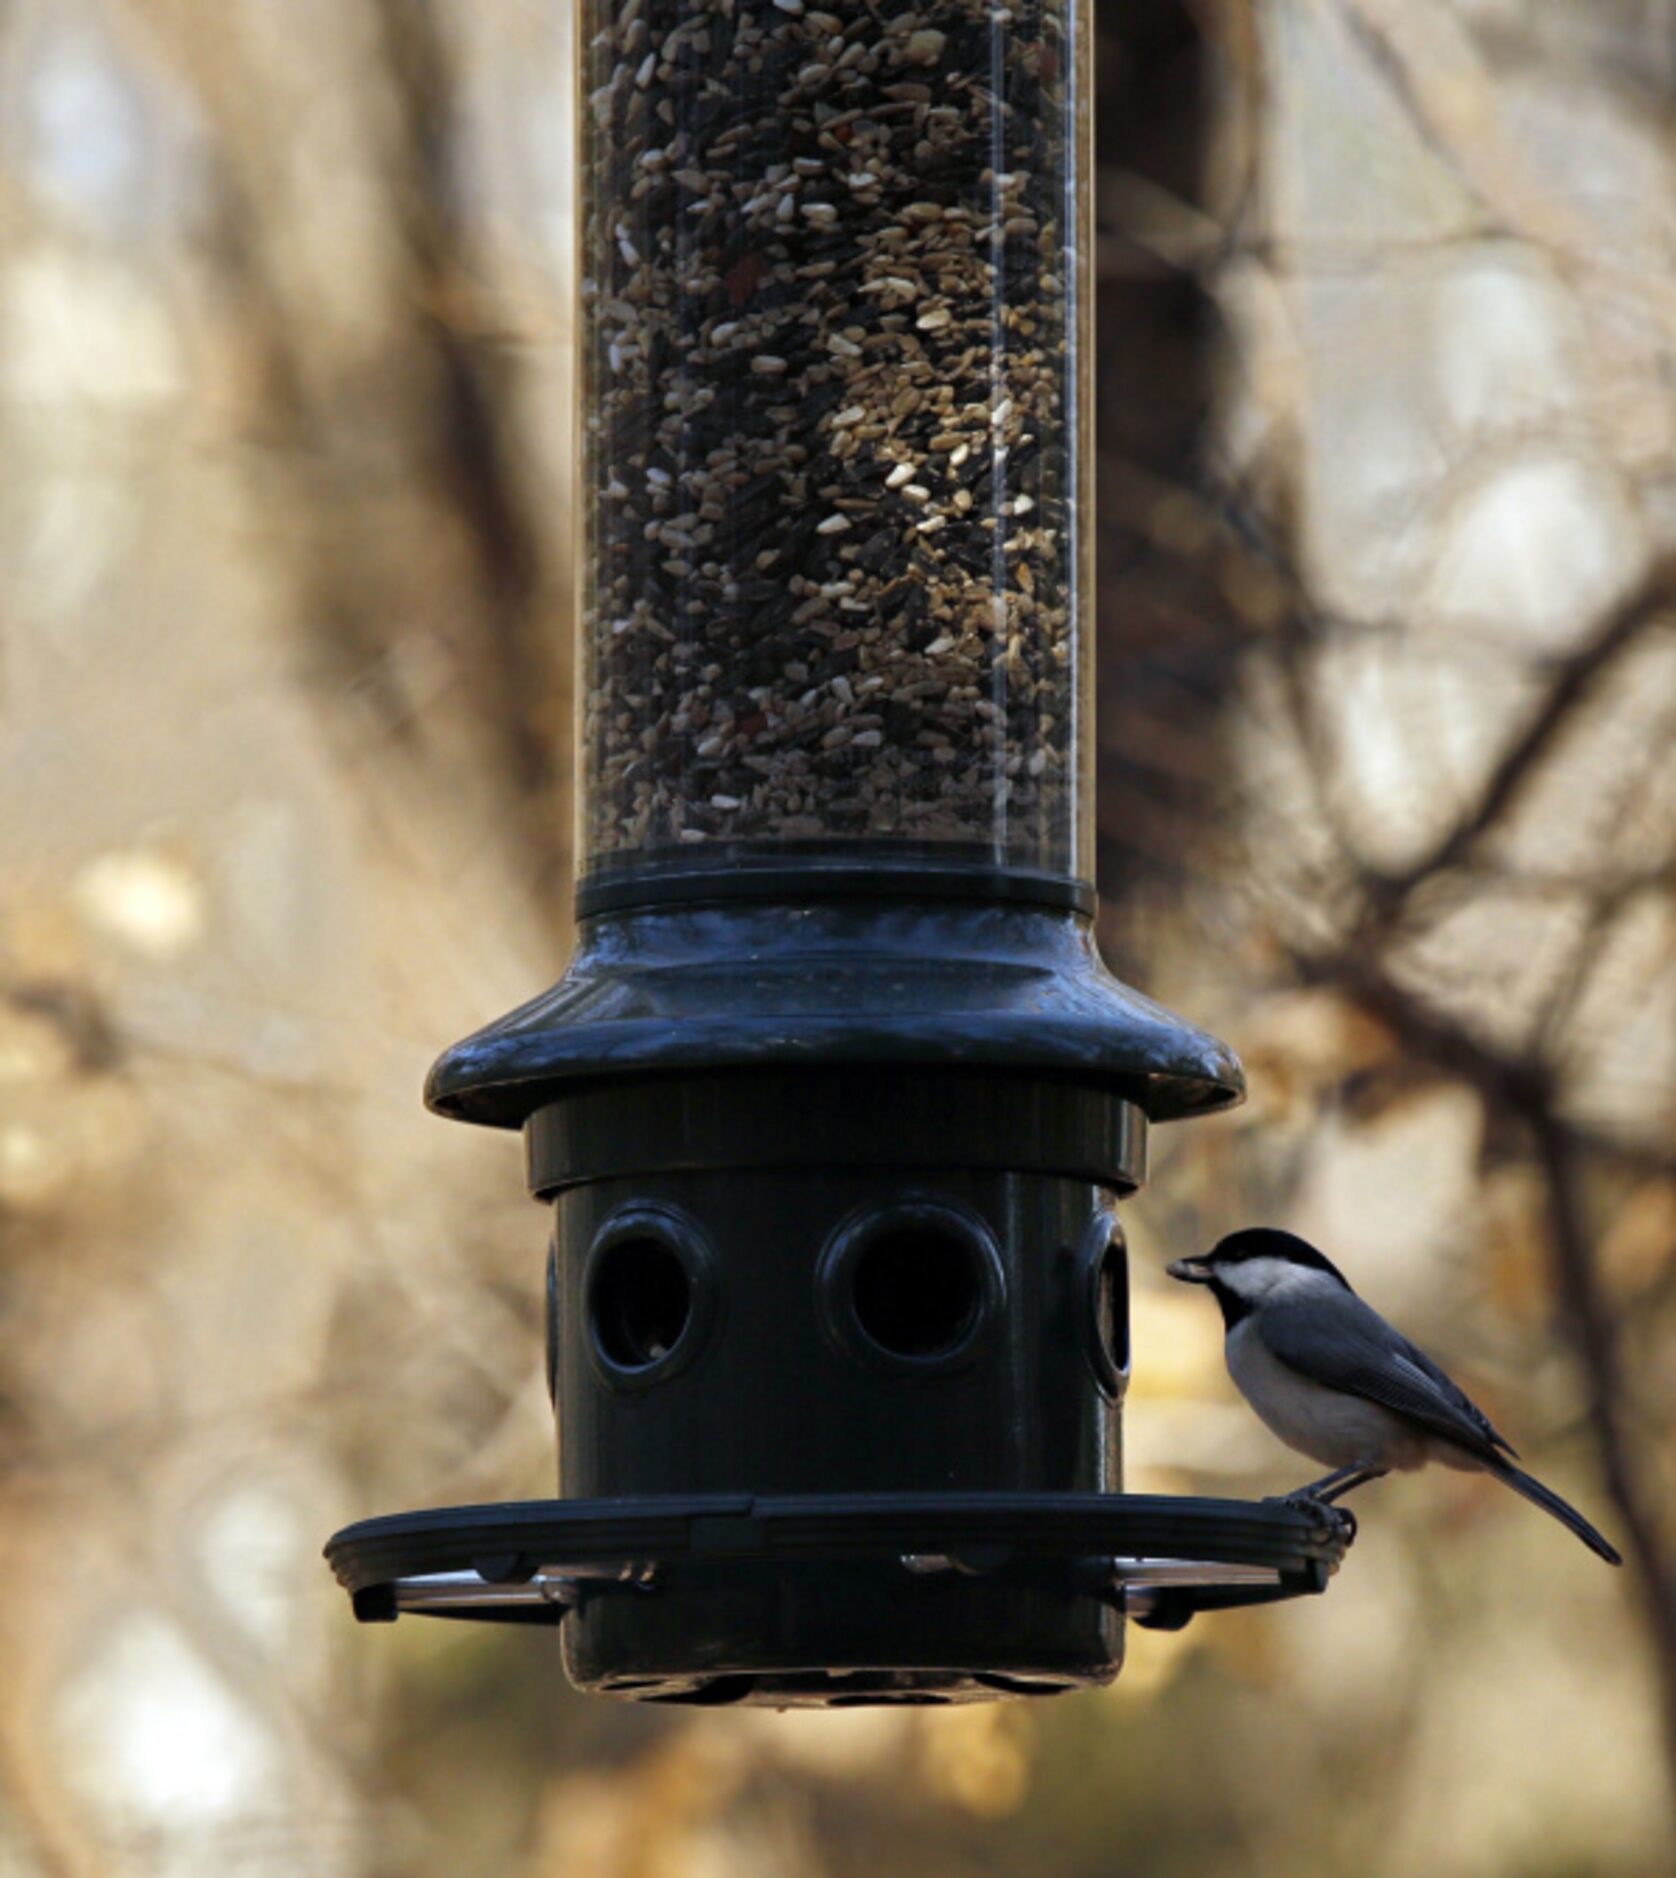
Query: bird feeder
x=836 y=1103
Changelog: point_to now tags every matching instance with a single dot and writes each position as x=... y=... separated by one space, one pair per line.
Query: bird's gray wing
x=1346 y=1344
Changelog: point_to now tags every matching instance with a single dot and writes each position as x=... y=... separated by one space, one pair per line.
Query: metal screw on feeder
x=835 y=1103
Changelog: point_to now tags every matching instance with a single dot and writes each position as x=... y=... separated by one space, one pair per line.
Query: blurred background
x=1387 y=404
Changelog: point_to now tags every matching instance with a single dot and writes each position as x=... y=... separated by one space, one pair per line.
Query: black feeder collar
x=837 y=1302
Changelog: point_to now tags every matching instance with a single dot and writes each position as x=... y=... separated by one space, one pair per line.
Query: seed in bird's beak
x=1189 y=1271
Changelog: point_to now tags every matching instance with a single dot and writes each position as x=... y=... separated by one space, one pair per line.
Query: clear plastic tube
x=836 y=439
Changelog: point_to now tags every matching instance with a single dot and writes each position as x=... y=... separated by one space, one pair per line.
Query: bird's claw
x=1306 y=1500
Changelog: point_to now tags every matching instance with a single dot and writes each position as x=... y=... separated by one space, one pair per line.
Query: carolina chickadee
x=1334 y=1381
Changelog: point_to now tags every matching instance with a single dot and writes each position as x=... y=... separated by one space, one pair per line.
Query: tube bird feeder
x=836 y=1103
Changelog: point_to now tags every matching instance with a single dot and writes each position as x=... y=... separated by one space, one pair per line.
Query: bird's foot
x=1308 y=1500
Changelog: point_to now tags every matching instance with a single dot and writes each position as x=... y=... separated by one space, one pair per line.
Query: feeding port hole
x=1111 y=1305
x=640 y=1301
x=918 y=1289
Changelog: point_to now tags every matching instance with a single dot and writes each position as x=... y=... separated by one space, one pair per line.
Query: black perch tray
x=1159 y=1559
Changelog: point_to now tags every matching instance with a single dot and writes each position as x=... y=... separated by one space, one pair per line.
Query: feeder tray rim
x=535 y=1558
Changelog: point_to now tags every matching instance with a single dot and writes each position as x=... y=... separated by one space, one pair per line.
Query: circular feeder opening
x=714 y=1692
x=1020 y=1685
x=1103 y=1262
x=1111 y=1305
x=649 y=1295
x=640 y=1301
x=910 y=1286
x=918 y=1289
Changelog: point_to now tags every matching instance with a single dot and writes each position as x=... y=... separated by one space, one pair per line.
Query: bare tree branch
x=1648 y=602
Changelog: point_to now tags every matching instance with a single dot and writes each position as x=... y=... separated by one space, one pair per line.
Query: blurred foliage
x=1387 y=693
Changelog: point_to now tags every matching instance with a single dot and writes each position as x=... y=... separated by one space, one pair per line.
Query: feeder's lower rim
x=530 y=1560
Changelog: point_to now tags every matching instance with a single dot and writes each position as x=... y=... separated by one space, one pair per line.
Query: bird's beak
x=1190 y=1271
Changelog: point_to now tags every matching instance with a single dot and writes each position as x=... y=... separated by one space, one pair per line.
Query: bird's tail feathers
x=1550 y=1502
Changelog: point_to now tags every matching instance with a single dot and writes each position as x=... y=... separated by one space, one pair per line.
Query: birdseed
x=832 y=425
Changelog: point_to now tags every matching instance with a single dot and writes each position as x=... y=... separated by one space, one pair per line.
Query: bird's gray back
x=1333 y=1337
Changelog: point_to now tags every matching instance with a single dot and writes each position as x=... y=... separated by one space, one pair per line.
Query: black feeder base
x=664 y=1589
x=837 y=1301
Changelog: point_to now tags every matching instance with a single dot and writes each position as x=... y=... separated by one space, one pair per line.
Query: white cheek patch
x=1259 y=1279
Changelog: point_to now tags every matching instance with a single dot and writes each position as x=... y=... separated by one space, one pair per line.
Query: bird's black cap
x=1269 y=1242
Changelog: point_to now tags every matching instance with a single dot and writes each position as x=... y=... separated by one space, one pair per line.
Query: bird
x=1337 y=1383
